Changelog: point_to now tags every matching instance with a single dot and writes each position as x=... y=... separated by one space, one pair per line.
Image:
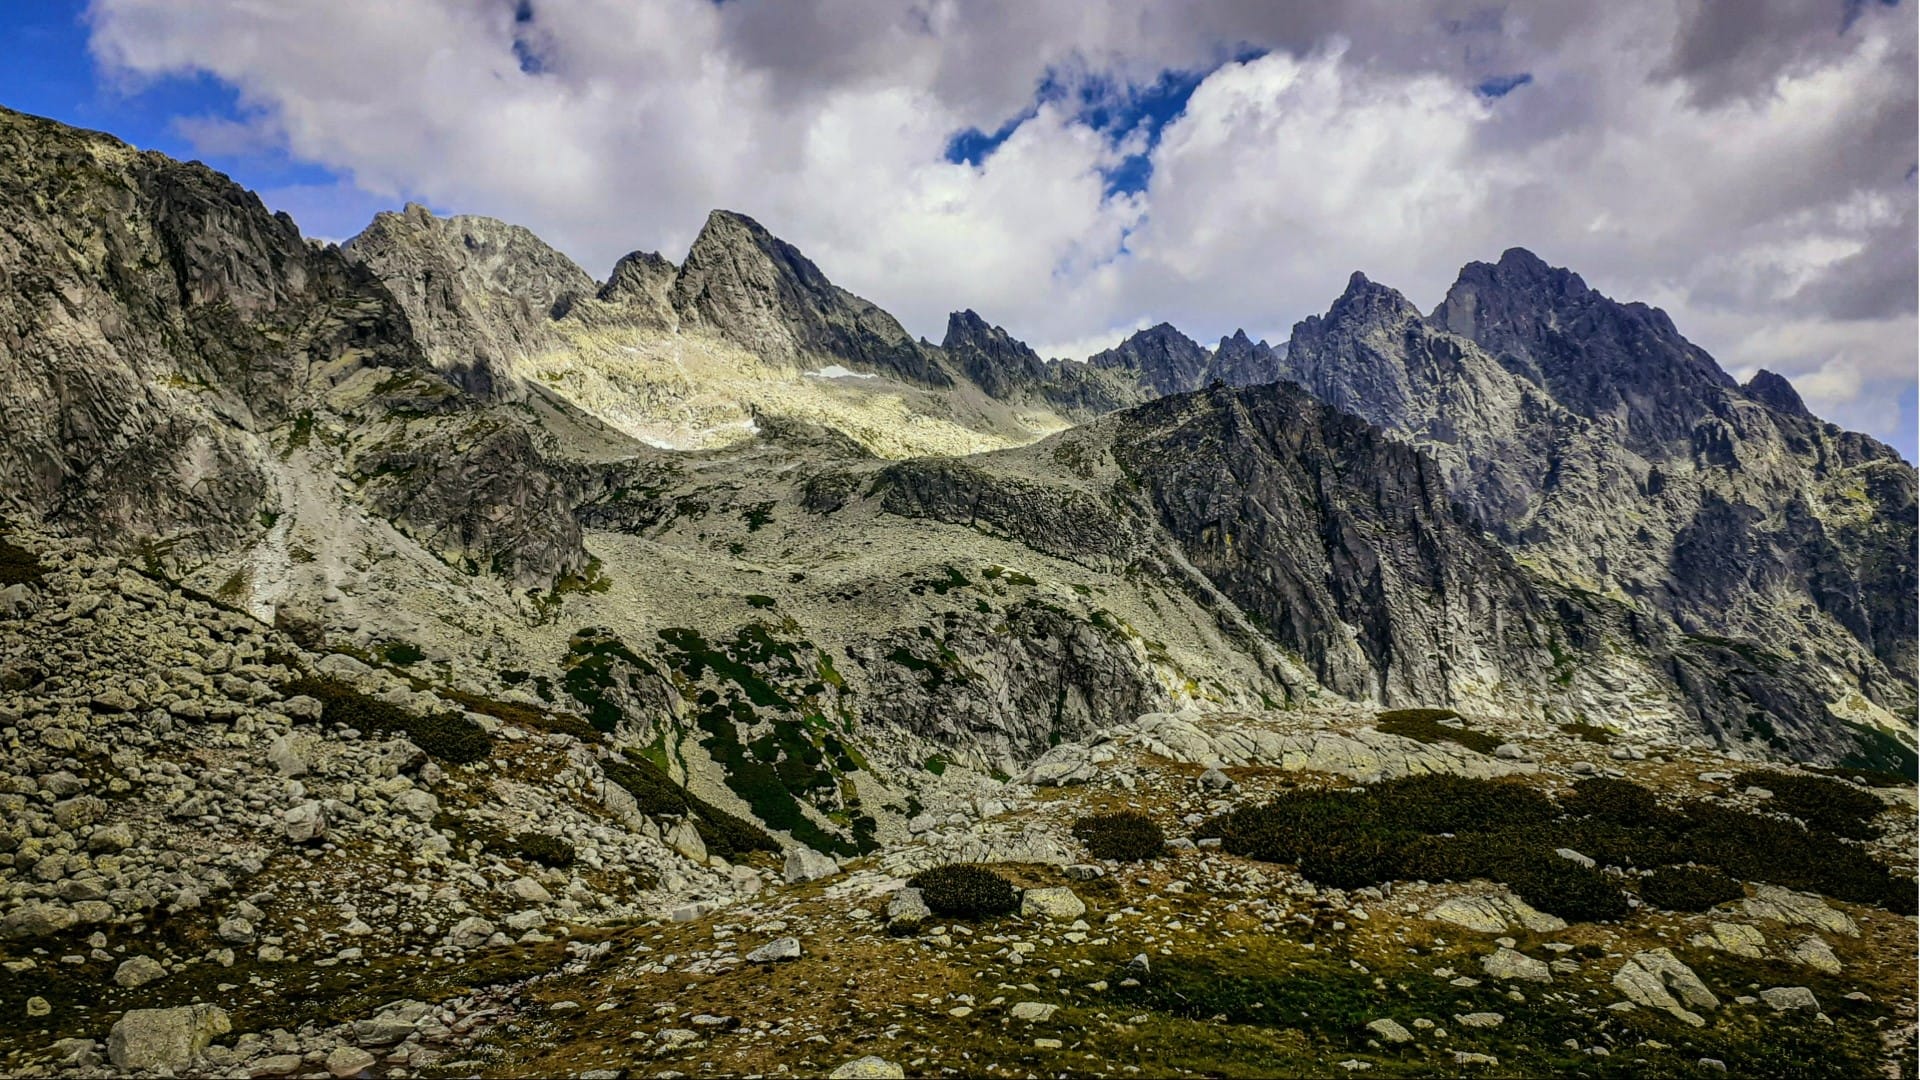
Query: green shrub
x=964 y=891
x=1127 y=836
x=1833 y=805
x=446 y=736
x=1437 y=803
x=400 y=653
x=1688 y=888
x=544 y=849
x=1586 y=732
x=449 y=737
x=657 y=795
x=1565 y=888
x=1619 y=802
x=1424 y=725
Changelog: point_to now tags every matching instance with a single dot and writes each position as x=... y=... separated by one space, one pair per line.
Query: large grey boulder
x=805 y=864
x=165 y=1038
x=305 y=822
x=37 y=920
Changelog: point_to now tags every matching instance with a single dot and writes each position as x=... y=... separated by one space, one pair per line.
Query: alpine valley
x=419 y=657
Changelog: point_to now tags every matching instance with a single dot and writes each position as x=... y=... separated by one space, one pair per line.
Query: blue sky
x=51 y=73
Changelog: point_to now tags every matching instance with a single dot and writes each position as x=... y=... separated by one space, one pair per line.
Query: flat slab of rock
x=1389 y=1030
x=1033 y=1011
x=165 y=1038
x=1496 y=913
x=1798 y=909
x=1736 y=938
x=1814 y=952
x=1055 y=903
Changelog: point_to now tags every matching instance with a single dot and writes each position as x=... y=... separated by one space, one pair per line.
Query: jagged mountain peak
x=1369 y=300
x=999 y=363
x=1163 y=359
x=1776 y=392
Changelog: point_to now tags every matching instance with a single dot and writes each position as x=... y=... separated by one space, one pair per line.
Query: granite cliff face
x=1601 y=445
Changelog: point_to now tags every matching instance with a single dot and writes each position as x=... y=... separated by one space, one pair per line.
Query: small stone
x=805 y=864
x=1215 y=780
x=528 y=891
x=684 y=838
x=1479 y=1019
x=1573 y=856
x=305 y=822
x=139 y=971
x=907 y=911
x=1033 y=1011
x=38 y=1006
x=470 y=932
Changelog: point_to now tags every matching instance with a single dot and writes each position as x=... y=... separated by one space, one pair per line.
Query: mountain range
x=741 y=569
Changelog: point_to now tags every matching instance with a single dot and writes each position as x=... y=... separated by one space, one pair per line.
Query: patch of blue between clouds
x=51 y=73
x=523 y=51
x=1851 y=10
x=1115 y=109
x=1499 y=86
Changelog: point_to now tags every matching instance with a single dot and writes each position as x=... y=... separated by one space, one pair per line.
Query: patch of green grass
x=1426 y=725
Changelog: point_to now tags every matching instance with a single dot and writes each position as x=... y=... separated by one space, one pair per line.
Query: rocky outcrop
x=159 y=321
x=480 y=295
x=1164 y=360
x=758 y=291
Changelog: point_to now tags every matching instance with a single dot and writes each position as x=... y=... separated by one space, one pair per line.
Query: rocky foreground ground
x=205 y=871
